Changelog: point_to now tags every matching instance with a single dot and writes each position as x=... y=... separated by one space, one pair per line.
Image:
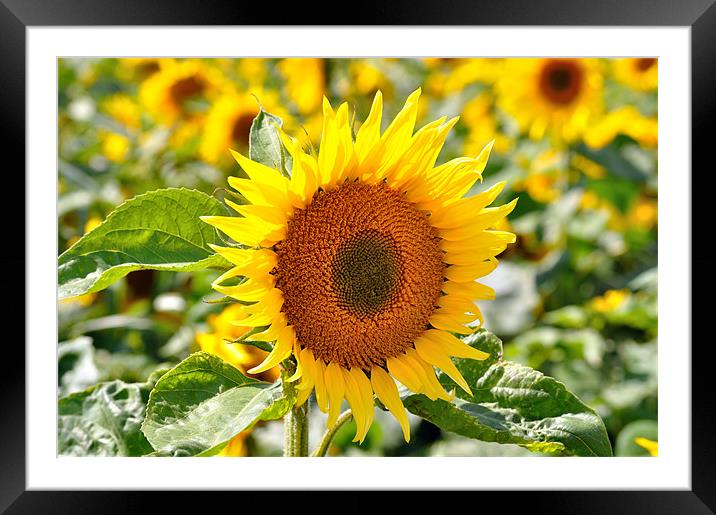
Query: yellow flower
x=650 y=445
x=368 y=78
x=123 y=109
x=365 y=261
x=229 y=121
x=541 y=187
x=305 y=82
x=224 y=330
x=643 y=214
x=252 y=69
x=624 y=120
x=114 y=146
x=554 y=97
x=461 y=73
x=610 y=301
x=477 y=116
x=130 y=69
x=640 y=74
x=168 y=94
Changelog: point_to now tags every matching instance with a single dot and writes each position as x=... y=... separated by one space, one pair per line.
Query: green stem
x=296 y=431
x=331 y=433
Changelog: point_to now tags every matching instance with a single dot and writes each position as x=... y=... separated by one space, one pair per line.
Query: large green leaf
x=265 y=145
x=512 y=403
x=159 y=230
x=104 y=420
x=199 y=405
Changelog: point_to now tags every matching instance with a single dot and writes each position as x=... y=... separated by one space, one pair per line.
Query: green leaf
x=203 y=402
x=104 y=420
x=159 y=230
x=265 y=145
x=512 y=403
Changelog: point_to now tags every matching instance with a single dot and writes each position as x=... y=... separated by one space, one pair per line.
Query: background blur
x=575 y=139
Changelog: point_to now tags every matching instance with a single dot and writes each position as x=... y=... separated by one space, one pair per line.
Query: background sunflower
x=575 y=295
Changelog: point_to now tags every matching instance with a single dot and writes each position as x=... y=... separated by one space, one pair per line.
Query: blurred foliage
x=575 y=139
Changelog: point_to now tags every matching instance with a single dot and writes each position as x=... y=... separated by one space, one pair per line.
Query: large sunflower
x=555 y=97
x=363 y=263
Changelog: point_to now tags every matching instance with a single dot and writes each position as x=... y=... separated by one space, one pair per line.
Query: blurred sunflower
x=478 y=117
x=305 y=82
x=452 y=75
x=122 y=108
x=170 y=93
x=229 y=121
x=137 y=68
x=640 y=74
x=365 y=261
x=625 y=120
x=554 y=97
x=218 y=341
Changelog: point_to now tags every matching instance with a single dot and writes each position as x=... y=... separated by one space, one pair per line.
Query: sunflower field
x=357 y=257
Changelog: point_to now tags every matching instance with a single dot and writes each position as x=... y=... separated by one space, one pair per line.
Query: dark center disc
x=366 y=271
x=561 y=80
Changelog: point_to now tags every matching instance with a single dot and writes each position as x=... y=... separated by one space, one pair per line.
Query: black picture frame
x=17 y=15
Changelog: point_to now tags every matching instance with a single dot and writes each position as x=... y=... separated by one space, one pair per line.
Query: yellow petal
x=242 y=230
x=261 y=174
x=355 y=400
x=265 y=311
x=440 y=320
x=366 y=392
x=281 y=350
x=320 y=380
x=462 y=273
x=435 y=355
x=403 y=373
x=335 y=387
x=431 y=386
x=472 y=290
x=434 y=389
x=369 y=133
x=452 y=345
x=386 y=390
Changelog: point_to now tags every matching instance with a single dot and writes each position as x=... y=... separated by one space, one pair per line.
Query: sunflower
x=364 y=263
x=555 y=97
x=641 y=74
x=169 y=93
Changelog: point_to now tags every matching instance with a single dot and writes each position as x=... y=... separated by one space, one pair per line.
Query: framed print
x=425 y=255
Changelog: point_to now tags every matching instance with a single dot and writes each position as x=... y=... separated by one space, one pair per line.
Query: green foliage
x=265 y=144
x=203 y=402
x=104 y=420
x=512 y=403
x=158 y=230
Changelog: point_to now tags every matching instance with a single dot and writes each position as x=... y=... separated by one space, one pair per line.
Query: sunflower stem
x=330 y=433
x=296 y=431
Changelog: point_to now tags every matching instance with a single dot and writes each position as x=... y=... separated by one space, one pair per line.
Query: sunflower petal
x=386 y=390
x=335 y=387
x=282 y=350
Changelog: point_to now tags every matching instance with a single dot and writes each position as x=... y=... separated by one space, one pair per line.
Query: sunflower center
x=644 y=64
x=366 y=272
x=561 y=80
x=242 y=126
x=186 y=88
x=361 y=272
